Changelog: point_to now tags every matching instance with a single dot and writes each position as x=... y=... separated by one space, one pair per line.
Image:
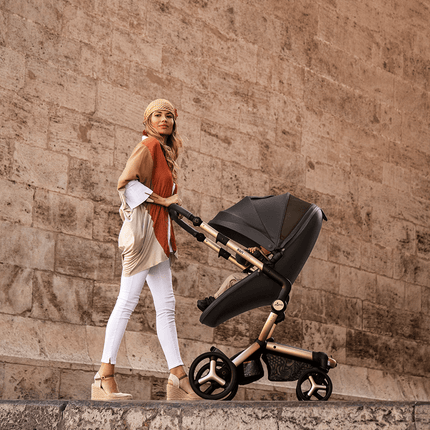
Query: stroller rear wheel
x=213 y=376
x=314 y=384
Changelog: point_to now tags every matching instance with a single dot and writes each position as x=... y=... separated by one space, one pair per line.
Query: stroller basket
x=281 y=368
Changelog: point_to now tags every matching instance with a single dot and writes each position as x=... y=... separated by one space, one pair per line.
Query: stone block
x=319 y=274
x=81 y=137
x=125 y=141
x=89 y=180
x=414 y=130
x=230 y=145
x=16 y=415
x=201 y=173
x=84 y=258
x=234 y=331
x=231 y=55
x=131 y=46
x=60 y=87
x=413 y=298
x=64 y=342
x=343 y=311
x=413 y=209
x=120 y=107
x=78 y=24
x=144 y=352
x=288 y=79
x=425 y=300
x=60 y=298
x=257 y=112
x=26 y=247
x=379 y=320
x=284 y=167
x=415 y=361
x=35 y=40
x=238 y=182
x=189 y=128
x=23 y=119
x=256 y=416
x=415 y=69
x=16 y=287
x=16 y=201
x=182 y=30
x=390 y=293
x=422 y=416
x=61 y=213
x=22 y=337
x=31 y=382
x=377 y=259
x=374 y=351
x=3 y=28
x=187 y=321
x=340 y=101
x=75 y=384
x=345 y=250
x=420 y=185
x=322 y=178
x=47 y=13
x=150 y=84
x=411 y=99
x=185 y=276
x=107 y=223
x=12 y=69
x=39 y=167
x=357 y=283
x=325 y=338
x=396 y=176
x=97 y=65
x=408 y=156
x=95 y=337
x=225 y=103
x=411 y=269
x=391 y=232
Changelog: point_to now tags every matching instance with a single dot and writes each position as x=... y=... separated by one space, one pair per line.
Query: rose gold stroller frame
x=264 y=343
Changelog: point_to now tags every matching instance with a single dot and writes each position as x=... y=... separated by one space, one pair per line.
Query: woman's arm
x=164 y=201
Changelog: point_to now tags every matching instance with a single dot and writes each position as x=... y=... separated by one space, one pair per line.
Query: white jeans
x=159 y=279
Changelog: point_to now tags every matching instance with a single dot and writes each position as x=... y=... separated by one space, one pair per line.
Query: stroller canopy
x=262 y=221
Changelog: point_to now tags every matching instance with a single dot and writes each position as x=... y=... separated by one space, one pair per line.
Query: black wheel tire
x=314 y=384
x=224 y=369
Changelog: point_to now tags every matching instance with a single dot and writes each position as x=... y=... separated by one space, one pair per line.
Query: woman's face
x=163 y=122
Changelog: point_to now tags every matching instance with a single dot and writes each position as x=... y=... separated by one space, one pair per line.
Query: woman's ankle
x=106 y=369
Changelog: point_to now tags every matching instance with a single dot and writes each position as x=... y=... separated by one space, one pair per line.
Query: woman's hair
x=170 y=147
x=173 y=142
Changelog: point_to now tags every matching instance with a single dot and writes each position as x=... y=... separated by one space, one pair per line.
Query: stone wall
x=326 y=99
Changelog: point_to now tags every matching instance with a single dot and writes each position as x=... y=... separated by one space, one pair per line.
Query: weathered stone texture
x=328 y=100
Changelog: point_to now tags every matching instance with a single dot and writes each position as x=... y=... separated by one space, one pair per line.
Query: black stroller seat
x=294 y=238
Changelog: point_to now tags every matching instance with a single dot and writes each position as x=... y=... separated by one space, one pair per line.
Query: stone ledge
x=65 y=415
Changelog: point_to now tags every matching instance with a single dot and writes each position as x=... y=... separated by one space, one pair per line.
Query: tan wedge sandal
x=175 y=392
x=98 y=392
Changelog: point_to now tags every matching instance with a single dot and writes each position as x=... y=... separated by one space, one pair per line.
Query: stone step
x=207 y=415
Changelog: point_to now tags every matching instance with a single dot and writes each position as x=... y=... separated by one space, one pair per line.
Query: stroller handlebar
x=175 y=209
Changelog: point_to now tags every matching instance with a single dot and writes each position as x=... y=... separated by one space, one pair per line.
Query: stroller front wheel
x=213 y=376
x=314 y=384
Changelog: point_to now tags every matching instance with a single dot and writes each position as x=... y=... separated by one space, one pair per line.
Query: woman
x=147 y=187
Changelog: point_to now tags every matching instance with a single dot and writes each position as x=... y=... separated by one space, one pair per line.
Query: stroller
x=287 y=227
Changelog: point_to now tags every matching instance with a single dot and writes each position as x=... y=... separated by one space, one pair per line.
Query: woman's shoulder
x=150 y=143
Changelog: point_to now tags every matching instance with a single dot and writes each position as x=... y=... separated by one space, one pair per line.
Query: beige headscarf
x=159 y=104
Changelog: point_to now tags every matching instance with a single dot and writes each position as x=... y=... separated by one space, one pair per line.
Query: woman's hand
x=173 y=200
x=165 y=201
